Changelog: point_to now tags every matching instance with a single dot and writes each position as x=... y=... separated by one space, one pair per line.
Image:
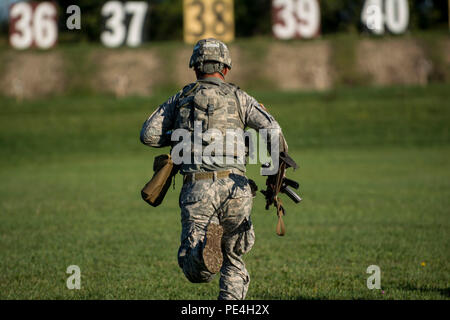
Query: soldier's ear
x=225 y=71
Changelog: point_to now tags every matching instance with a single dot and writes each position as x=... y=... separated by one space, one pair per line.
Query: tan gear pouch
x=155 y=190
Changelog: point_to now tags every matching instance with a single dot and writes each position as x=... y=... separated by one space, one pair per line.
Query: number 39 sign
x=33 y=24
x=295 y=19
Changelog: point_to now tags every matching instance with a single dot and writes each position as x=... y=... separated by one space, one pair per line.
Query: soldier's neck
x=211 y=75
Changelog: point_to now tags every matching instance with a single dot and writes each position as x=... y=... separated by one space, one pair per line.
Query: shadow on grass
x=306 y=298
x=444 y=292
x=291 y=298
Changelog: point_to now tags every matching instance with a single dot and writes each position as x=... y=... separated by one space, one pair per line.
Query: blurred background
x=327 y=44
x=360 y=88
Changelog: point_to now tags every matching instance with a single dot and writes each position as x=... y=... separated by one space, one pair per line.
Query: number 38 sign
x=208 y=19
x=295 y=19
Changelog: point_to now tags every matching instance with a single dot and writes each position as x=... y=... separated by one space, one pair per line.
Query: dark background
x=252 y=18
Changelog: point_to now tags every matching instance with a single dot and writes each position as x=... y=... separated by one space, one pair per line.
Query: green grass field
x=375 y=178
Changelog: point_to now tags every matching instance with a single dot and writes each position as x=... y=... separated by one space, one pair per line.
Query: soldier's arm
x=257 y=117
x=154 y=132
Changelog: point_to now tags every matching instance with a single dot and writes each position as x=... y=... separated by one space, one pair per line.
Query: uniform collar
x=213 y=80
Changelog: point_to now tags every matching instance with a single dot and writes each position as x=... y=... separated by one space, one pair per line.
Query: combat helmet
x=210 y=50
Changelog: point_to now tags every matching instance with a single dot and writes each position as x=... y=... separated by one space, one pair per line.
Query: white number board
x=117 y=32
x=393 y=15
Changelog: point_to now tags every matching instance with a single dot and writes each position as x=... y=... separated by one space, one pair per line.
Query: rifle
x=279 y=183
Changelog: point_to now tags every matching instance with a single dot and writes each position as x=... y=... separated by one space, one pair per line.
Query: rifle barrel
x=291 y=194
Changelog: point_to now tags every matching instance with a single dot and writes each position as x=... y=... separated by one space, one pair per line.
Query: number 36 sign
x=33 y=24
x=295 y=19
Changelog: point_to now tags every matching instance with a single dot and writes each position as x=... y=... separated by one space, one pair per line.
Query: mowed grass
x=374 y=174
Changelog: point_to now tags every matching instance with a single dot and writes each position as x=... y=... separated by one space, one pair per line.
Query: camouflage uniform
x=224 y=201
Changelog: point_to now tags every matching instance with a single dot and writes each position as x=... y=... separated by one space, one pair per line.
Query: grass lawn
x=375 y=178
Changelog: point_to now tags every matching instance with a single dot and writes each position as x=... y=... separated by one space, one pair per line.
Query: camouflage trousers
x=227 y=202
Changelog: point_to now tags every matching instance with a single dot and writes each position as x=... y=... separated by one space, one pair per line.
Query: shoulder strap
x=235 y=89
x=187 y=90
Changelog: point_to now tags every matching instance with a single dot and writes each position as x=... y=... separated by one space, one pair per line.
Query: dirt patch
x=185 y=75
x=300 y=66
x=396 y=61
x=127 y=72
x=32 y=75
x=446 y=46
x=446 y=58
x=240 y=70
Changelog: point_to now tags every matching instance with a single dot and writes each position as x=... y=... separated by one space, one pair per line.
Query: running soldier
x=216 y=198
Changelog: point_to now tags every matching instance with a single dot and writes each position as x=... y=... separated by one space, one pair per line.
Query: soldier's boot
x=212 y=251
